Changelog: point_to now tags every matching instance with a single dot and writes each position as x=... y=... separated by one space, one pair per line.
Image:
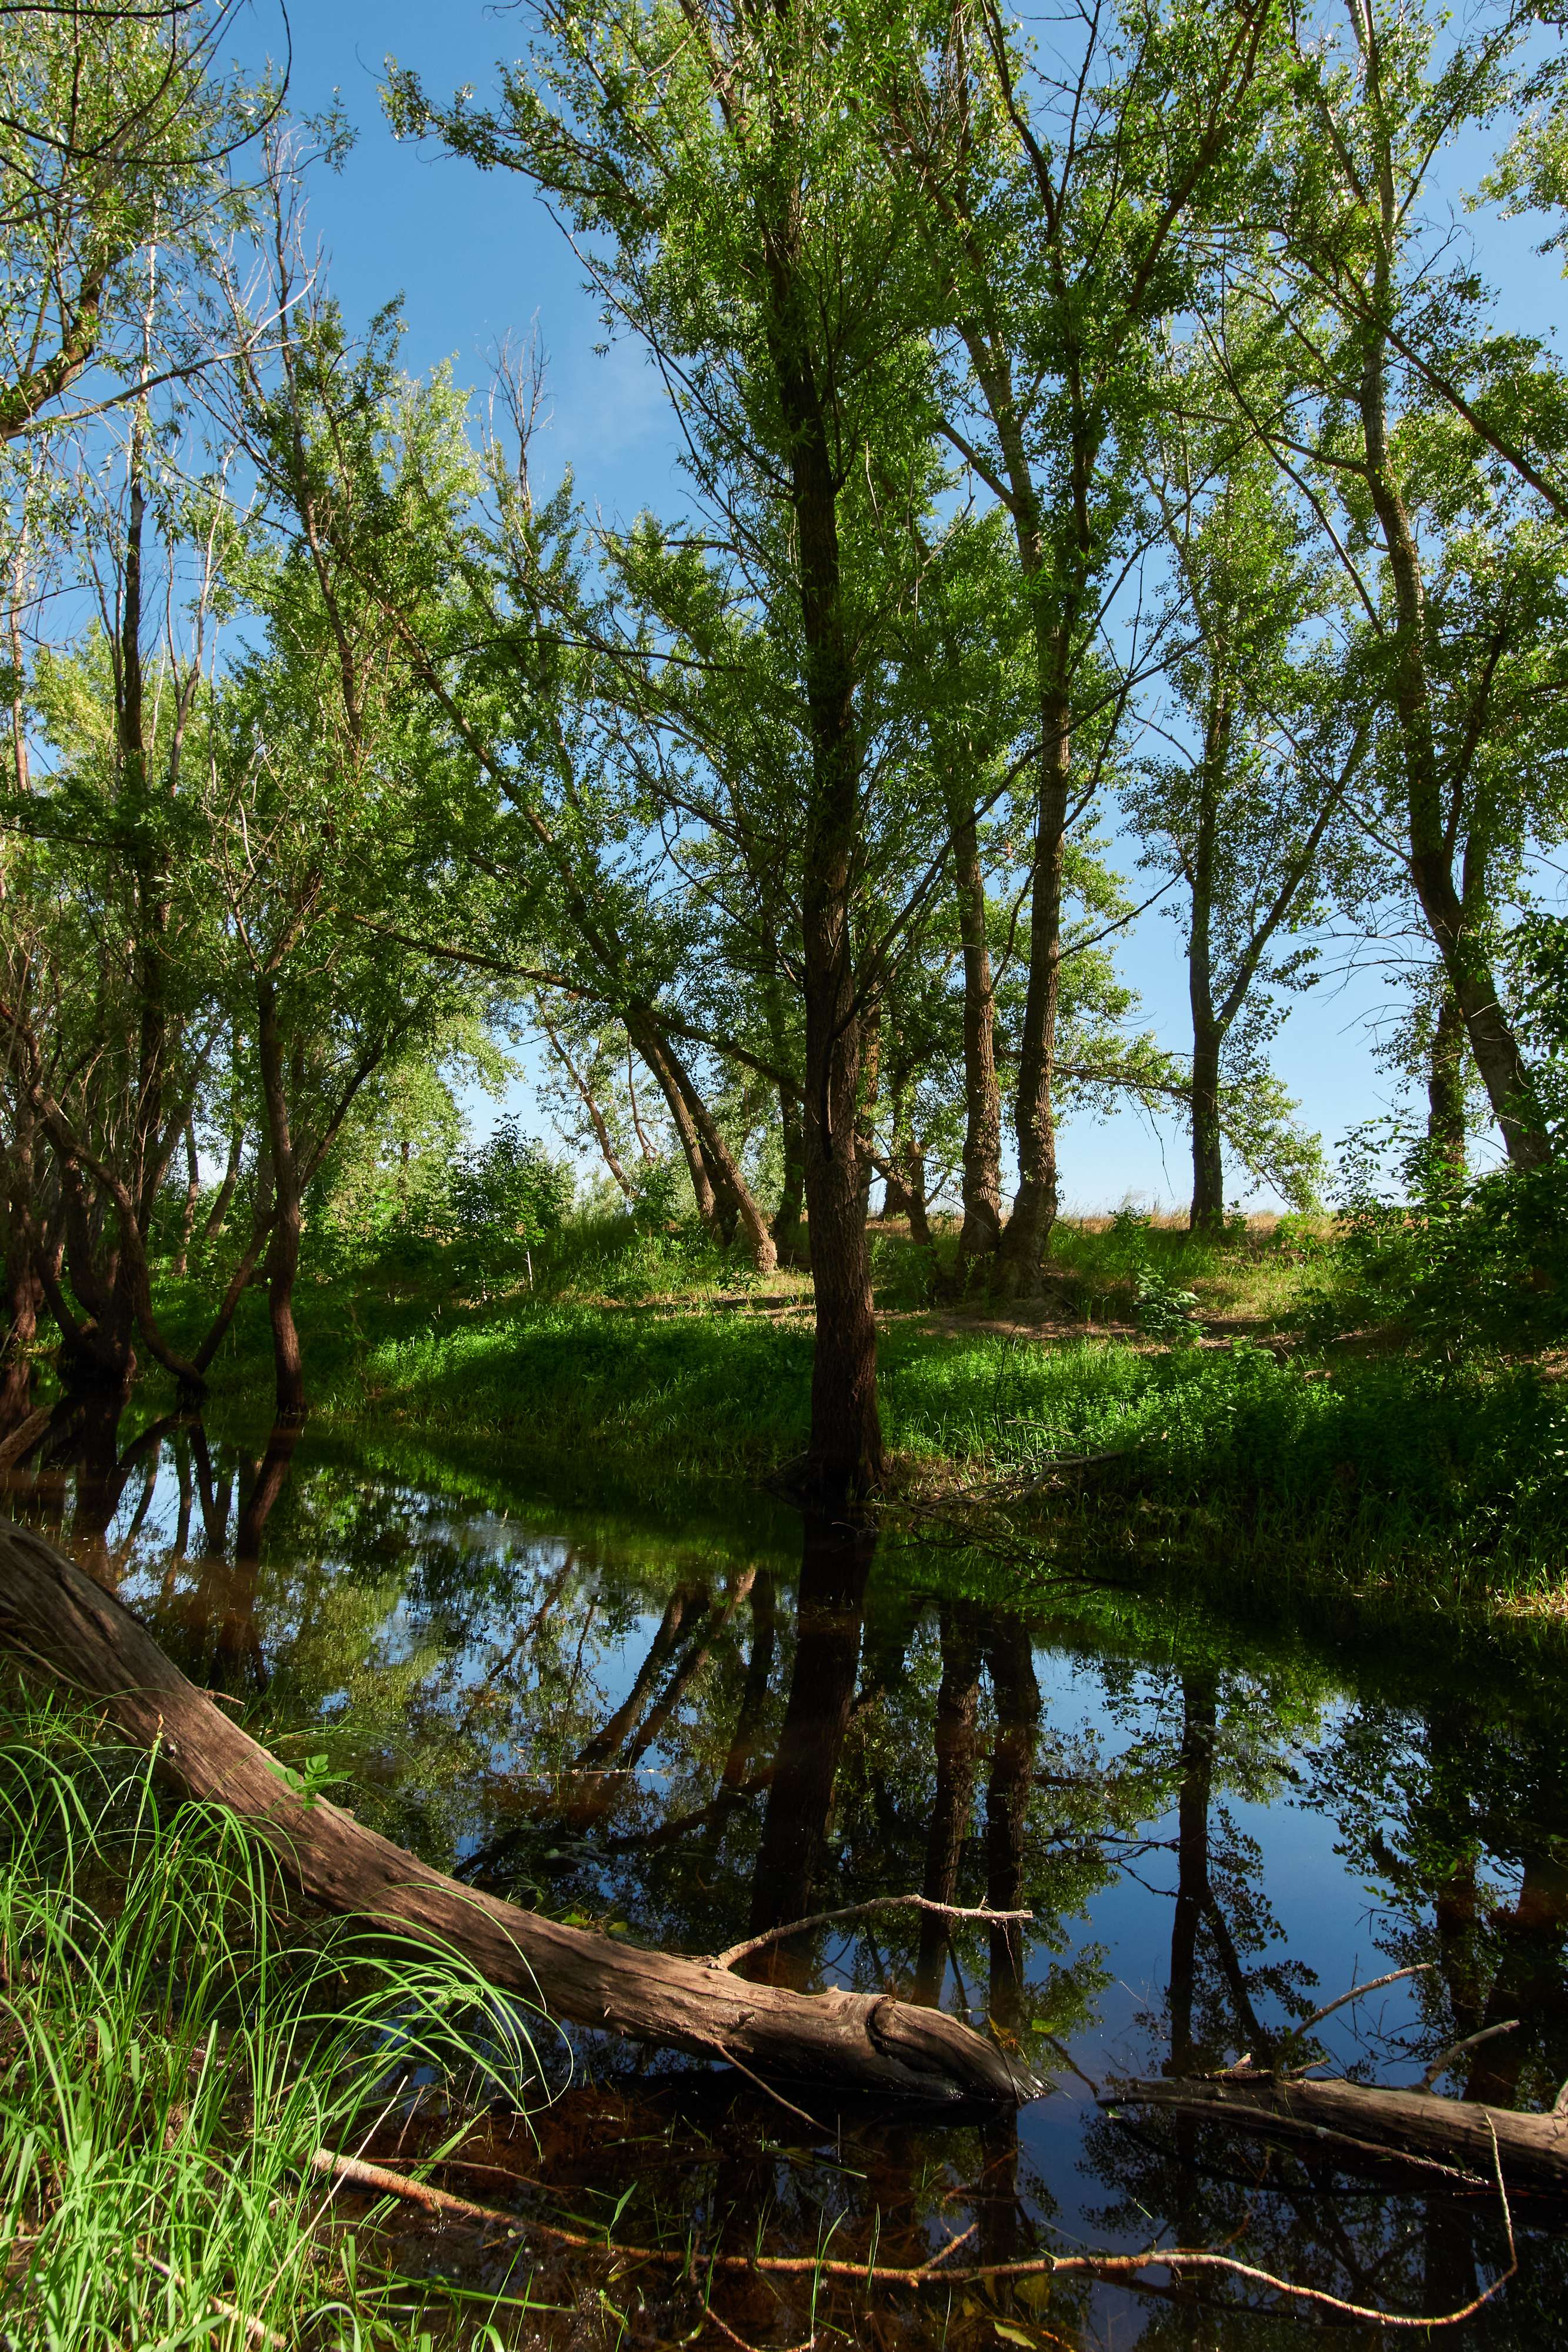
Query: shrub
x=1459 y=1260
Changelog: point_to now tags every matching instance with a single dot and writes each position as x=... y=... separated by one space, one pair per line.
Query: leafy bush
x=509 y=1185
x=1459 y=1260
x=1165 y=1311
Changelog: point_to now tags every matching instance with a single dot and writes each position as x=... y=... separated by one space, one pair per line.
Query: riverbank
x=1163 y=1406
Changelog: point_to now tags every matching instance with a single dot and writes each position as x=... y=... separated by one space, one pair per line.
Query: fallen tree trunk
x=55 y=1617
x=1357 y=2120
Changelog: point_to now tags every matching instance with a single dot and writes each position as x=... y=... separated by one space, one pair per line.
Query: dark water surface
x=693 y=1731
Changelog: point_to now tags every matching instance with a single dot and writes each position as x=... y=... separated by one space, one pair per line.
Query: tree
x=1060 y=195
x=110 y=1025
x=117 y=130
x=325 y=804
x=1244 y=808
x=708 y=157
x=1382 y=327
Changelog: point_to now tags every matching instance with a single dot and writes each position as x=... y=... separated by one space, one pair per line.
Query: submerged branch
x=859 y=1911
x=936 y=2271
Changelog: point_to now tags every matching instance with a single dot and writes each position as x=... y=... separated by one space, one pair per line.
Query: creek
x=695 y=1726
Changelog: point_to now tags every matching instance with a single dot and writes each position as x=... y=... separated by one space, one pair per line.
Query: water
x=693 y=1731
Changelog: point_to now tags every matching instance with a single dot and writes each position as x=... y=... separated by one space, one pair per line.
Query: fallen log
x=56 y=1620
x=1359 y=2121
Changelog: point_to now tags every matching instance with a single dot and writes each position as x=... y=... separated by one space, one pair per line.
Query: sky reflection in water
x=696 y=1735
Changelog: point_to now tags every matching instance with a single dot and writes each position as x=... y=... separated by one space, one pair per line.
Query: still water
x=694 y=1728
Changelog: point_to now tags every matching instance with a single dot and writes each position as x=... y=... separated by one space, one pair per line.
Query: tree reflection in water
x=697 y=1736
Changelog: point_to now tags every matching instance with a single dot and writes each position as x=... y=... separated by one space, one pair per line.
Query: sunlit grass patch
x=174 y=2050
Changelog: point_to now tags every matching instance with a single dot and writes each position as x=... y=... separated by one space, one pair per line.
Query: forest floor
x=1165 y=1401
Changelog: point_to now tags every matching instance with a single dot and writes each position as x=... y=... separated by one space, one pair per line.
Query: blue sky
x=478 y=260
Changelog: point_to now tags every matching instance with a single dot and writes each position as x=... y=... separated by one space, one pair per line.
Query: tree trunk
x=1207 y=1212
x=708 y=1144
x=651 y=1048
x=1198 y=1737
x=958 y=1702
x=1446 y=1084
x=1017 y=1695
x=24 y=1289
x=787 y=1232
x=844 y=1456
x=835 y=1564
x=1498 y=1056
x=982 y=1229
x=288 y=1223
x=192 y=1194
x=1346 y=2120
x=905 y=1194
x=610 y=1157
x=1206 y=1215
x=218 y=1215
x=1023 y=1243
x=49 y=1609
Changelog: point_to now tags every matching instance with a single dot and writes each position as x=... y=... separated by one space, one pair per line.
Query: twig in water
x=1172 y=2258
x=724 y=2329
x=857 y=1911
x=1445 y=2058
x=787 y=2105
x=1394 y=1975
x=256 y=2331
x=951 y=2247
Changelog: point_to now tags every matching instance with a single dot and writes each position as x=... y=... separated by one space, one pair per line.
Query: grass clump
x=693 y=1394
x=173 y=2051
x=1356 y=1471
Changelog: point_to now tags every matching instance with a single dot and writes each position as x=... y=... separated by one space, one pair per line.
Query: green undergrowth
x=174 y=2048
x=1370 y=1471
x=1391 y=1476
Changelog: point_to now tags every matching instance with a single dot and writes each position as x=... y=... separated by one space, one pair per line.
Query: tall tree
x=1245 y=807
x=705 y=157
x=1383 y=327
x=1059 y=190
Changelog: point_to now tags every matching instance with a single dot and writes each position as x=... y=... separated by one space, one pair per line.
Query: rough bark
x=907 y=1169
x=1206 y=1215
x=52 y=1611
x=981 y=1232
x=844 y=1456
x=1446 y=1084
x=288 y=1220
x=1027 y=1231
x=1378 y=2124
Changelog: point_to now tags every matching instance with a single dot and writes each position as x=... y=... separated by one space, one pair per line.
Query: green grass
x=666 y=1365
x=173 y=2051
x=1451 y=1479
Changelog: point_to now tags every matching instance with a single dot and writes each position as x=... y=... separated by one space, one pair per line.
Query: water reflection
x=695 y=1737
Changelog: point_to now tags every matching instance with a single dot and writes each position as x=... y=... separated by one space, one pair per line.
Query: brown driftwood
x=54 y=1617
x=1358 y=2122
x=937 y=2272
